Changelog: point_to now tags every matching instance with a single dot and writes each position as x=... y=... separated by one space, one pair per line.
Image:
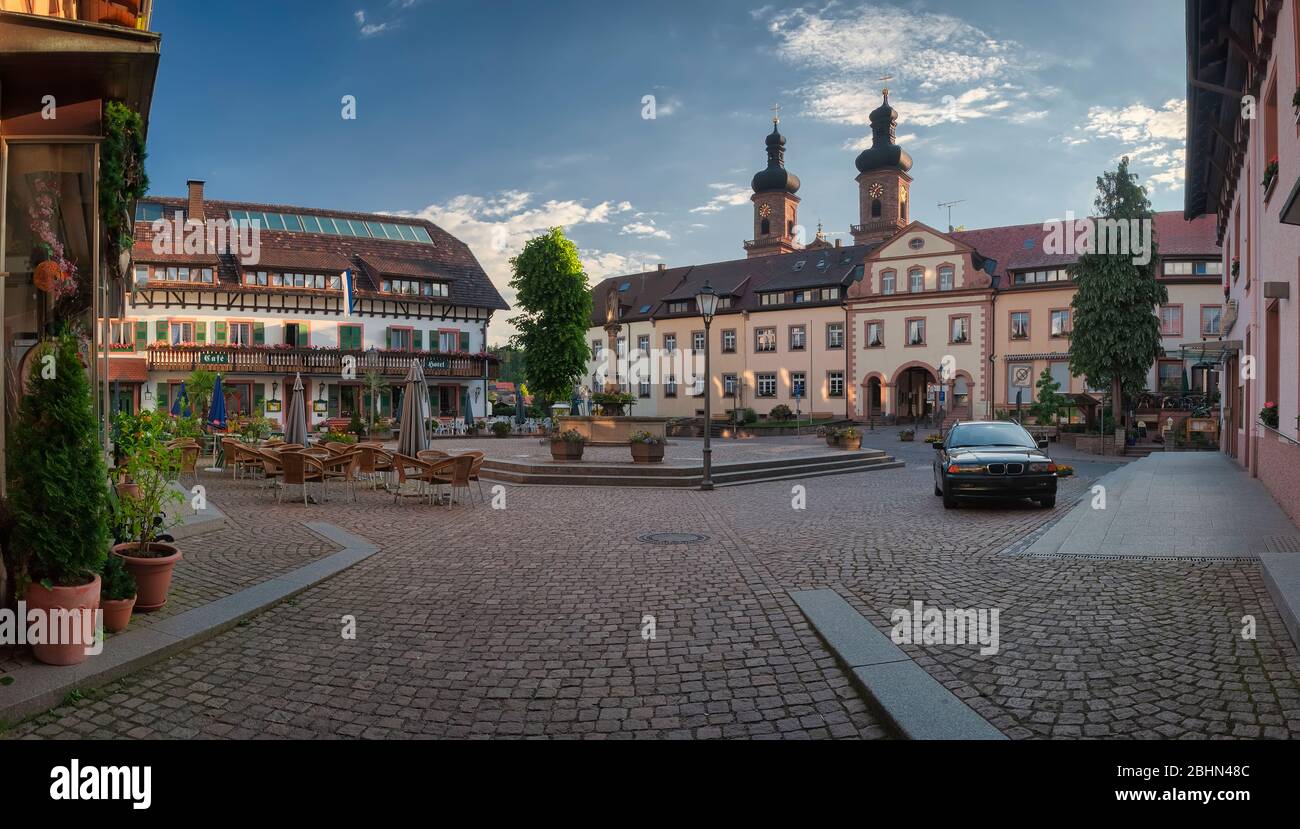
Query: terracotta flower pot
x=648 y=452
x=850 y=443
x=117 y=613
x=128 y=489
x=153 y=572
x=84 y=599
x=563 y=450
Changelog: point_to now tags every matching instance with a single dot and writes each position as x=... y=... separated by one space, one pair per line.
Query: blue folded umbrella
x=181 y=405
x=217 y=411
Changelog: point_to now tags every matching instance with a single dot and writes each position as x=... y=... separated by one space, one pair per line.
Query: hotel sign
x=214 y=358
x=437 y=364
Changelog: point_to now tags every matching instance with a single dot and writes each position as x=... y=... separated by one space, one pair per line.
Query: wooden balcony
x=283 y=362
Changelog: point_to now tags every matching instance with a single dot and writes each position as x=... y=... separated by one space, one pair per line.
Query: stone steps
x=686 y=477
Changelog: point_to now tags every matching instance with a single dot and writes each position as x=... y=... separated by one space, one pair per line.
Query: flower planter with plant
x=612 y=404
x=1270 y=177
x=567 y=446
x=907 y=435
x=1064 y=470
x=1268 y=415
x=117 y=595
x=934 y=438
x=144 y=518
x=501 y=429
x=847 y=438
x=58 y=497
x=647 y=448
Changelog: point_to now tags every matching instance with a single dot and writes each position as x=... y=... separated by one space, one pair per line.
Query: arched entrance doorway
x=911 y=398
x=874 y=397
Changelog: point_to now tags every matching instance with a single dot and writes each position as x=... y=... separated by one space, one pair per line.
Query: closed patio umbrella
x=412 y=439
x=520 y=415
x=181 y=405
x=295 y=422
x=217 y=411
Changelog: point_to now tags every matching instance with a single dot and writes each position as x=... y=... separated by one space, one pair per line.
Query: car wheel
x=949 y=501
x=1048 y=502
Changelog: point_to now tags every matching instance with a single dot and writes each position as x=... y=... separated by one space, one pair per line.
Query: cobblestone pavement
x=526 y=621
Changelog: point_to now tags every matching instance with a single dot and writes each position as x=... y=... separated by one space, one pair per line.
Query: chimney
x=662 y=267
x=839 y=242
x=194 y=209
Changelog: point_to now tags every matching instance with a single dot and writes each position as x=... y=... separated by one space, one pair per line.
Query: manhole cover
x=672 y=538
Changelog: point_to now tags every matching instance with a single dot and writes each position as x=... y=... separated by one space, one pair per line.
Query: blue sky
x=498 y=119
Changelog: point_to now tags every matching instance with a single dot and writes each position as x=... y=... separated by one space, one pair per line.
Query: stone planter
x=81 y=600
x=612 y=431
x=648 y=452
x=152 y=571
x=849 y=443
x=563 y=450
x=907 y=437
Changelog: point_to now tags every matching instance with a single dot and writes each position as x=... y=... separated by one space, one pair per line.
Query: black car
x=993 y=459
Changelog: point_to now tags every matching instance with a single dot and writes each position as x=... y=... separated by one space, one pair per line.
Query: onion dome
x=775 y=177
x=884 y=154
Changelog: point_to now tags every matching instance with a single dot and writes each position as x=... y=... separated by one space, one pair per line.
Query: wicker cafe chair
x=415 y=478
x=189 y=460
x=375 y=463
x=301 y=469
x=270 y=463
x=344 y=468
x=339 y=448
x=478 y=457
x=431 y=455
x=454 y=472
x=240 y=458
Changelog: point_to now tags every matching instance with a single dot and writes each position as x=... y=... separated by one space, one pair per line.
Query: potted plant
x=934 y=438
x=58 y=496
x=907 y=435
x=1270 y=175
x=473 y=427
x=501 y=429
x=1268 y=415
x=647 y=448
x=612 y=404
x=1064 y=470
x=117 y=595
x=144 y=518
x=567 y=446
x=848 y=438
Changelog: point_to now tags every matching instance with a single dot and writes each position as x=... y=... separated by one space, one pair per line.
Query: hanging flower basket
x=48 y=276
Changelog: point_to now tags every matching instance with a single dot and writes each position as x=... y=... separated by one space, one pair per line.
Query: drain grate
x=672 y=538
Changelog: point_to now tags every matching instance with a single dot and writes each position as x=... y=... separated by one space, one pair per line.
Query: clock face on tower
x=765 y=211
x=875 y=191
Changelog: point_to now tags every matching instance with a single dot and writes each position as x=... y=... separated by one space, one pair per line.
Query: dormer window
x=415 y=287
x=680 y=307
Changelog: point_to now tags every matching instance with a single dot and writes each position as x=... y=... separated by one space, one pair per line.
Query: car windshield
x=990 y=434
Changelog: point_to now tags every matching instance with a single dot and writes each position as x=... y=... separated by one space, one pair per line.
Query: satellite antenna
x=949 y=205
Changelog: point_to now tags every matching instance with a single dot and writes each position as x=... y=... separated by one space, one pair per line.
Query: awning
x=128 y=370
x=1211 y=351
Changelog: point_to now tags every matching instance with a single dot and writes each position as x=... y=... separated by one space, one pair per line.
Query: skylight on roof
x=645 y=309
x=302 y=223
x=625 y=287
x=798 y=266
x=1029 y=244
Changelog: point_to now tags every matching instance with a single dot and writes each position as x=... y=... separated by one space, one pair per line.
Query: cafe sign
x=214 y=358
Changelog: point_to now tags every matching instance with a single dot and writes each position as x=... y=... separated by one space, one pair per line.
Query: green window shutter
x=200 y=332
x=160 y=331
x=464 y=341
x=417 y=339
x=259 y=398
x=388 y=337
x=221 y=333
x=435 y=342
x=141 y=336
x=163 y=403
x=259 y=333
x=302 y=335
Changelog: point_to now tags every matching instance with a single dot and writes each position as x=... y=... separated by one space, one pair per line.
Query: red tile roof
x=128 y=369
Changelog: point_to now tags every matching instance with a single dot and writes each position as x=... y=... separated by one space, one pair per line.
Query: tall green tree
x=1050 y=402
x=58 y=484
x=552 y=331
x=1116 y=334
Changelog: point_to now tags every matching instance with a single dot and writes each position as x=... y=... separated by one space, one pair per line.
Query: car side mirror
x=1042 y=444
x=938 y=447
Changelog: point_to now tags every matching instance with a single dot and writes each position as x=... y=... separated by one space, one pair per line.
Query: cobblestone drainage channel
x=672 y=538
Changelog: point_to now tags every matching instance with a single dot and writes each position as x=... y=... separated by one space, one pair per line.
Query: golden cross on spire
x=776 y=113
x=885 y=79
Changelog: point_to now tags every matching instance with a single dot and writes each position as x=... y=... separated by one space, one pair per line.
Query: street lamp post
x=706 y=302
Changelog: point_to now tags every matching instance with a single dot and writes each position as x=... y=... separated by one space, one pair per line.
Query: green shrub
x=355 y=426
x=117 y=581
x=781 y=412
x=568 y=436
x=646 y=438
x=58 y=481
x=501 y=428
x=745 y=416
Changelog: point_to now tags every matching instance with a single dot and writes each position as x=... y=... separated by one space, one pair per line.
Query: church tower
x=776 y=206
x=883 y=182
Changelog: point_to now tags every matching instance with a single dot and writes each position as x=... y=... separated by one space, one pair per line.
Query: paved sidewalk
x=1175 y=505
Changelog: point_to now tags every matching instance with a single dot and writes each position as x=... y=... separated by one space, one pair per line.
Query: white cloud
x=496 y=227
x=368 y=29
x=1153 y=138
x=725 y=195
x=945 y=70
x=645 y=230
